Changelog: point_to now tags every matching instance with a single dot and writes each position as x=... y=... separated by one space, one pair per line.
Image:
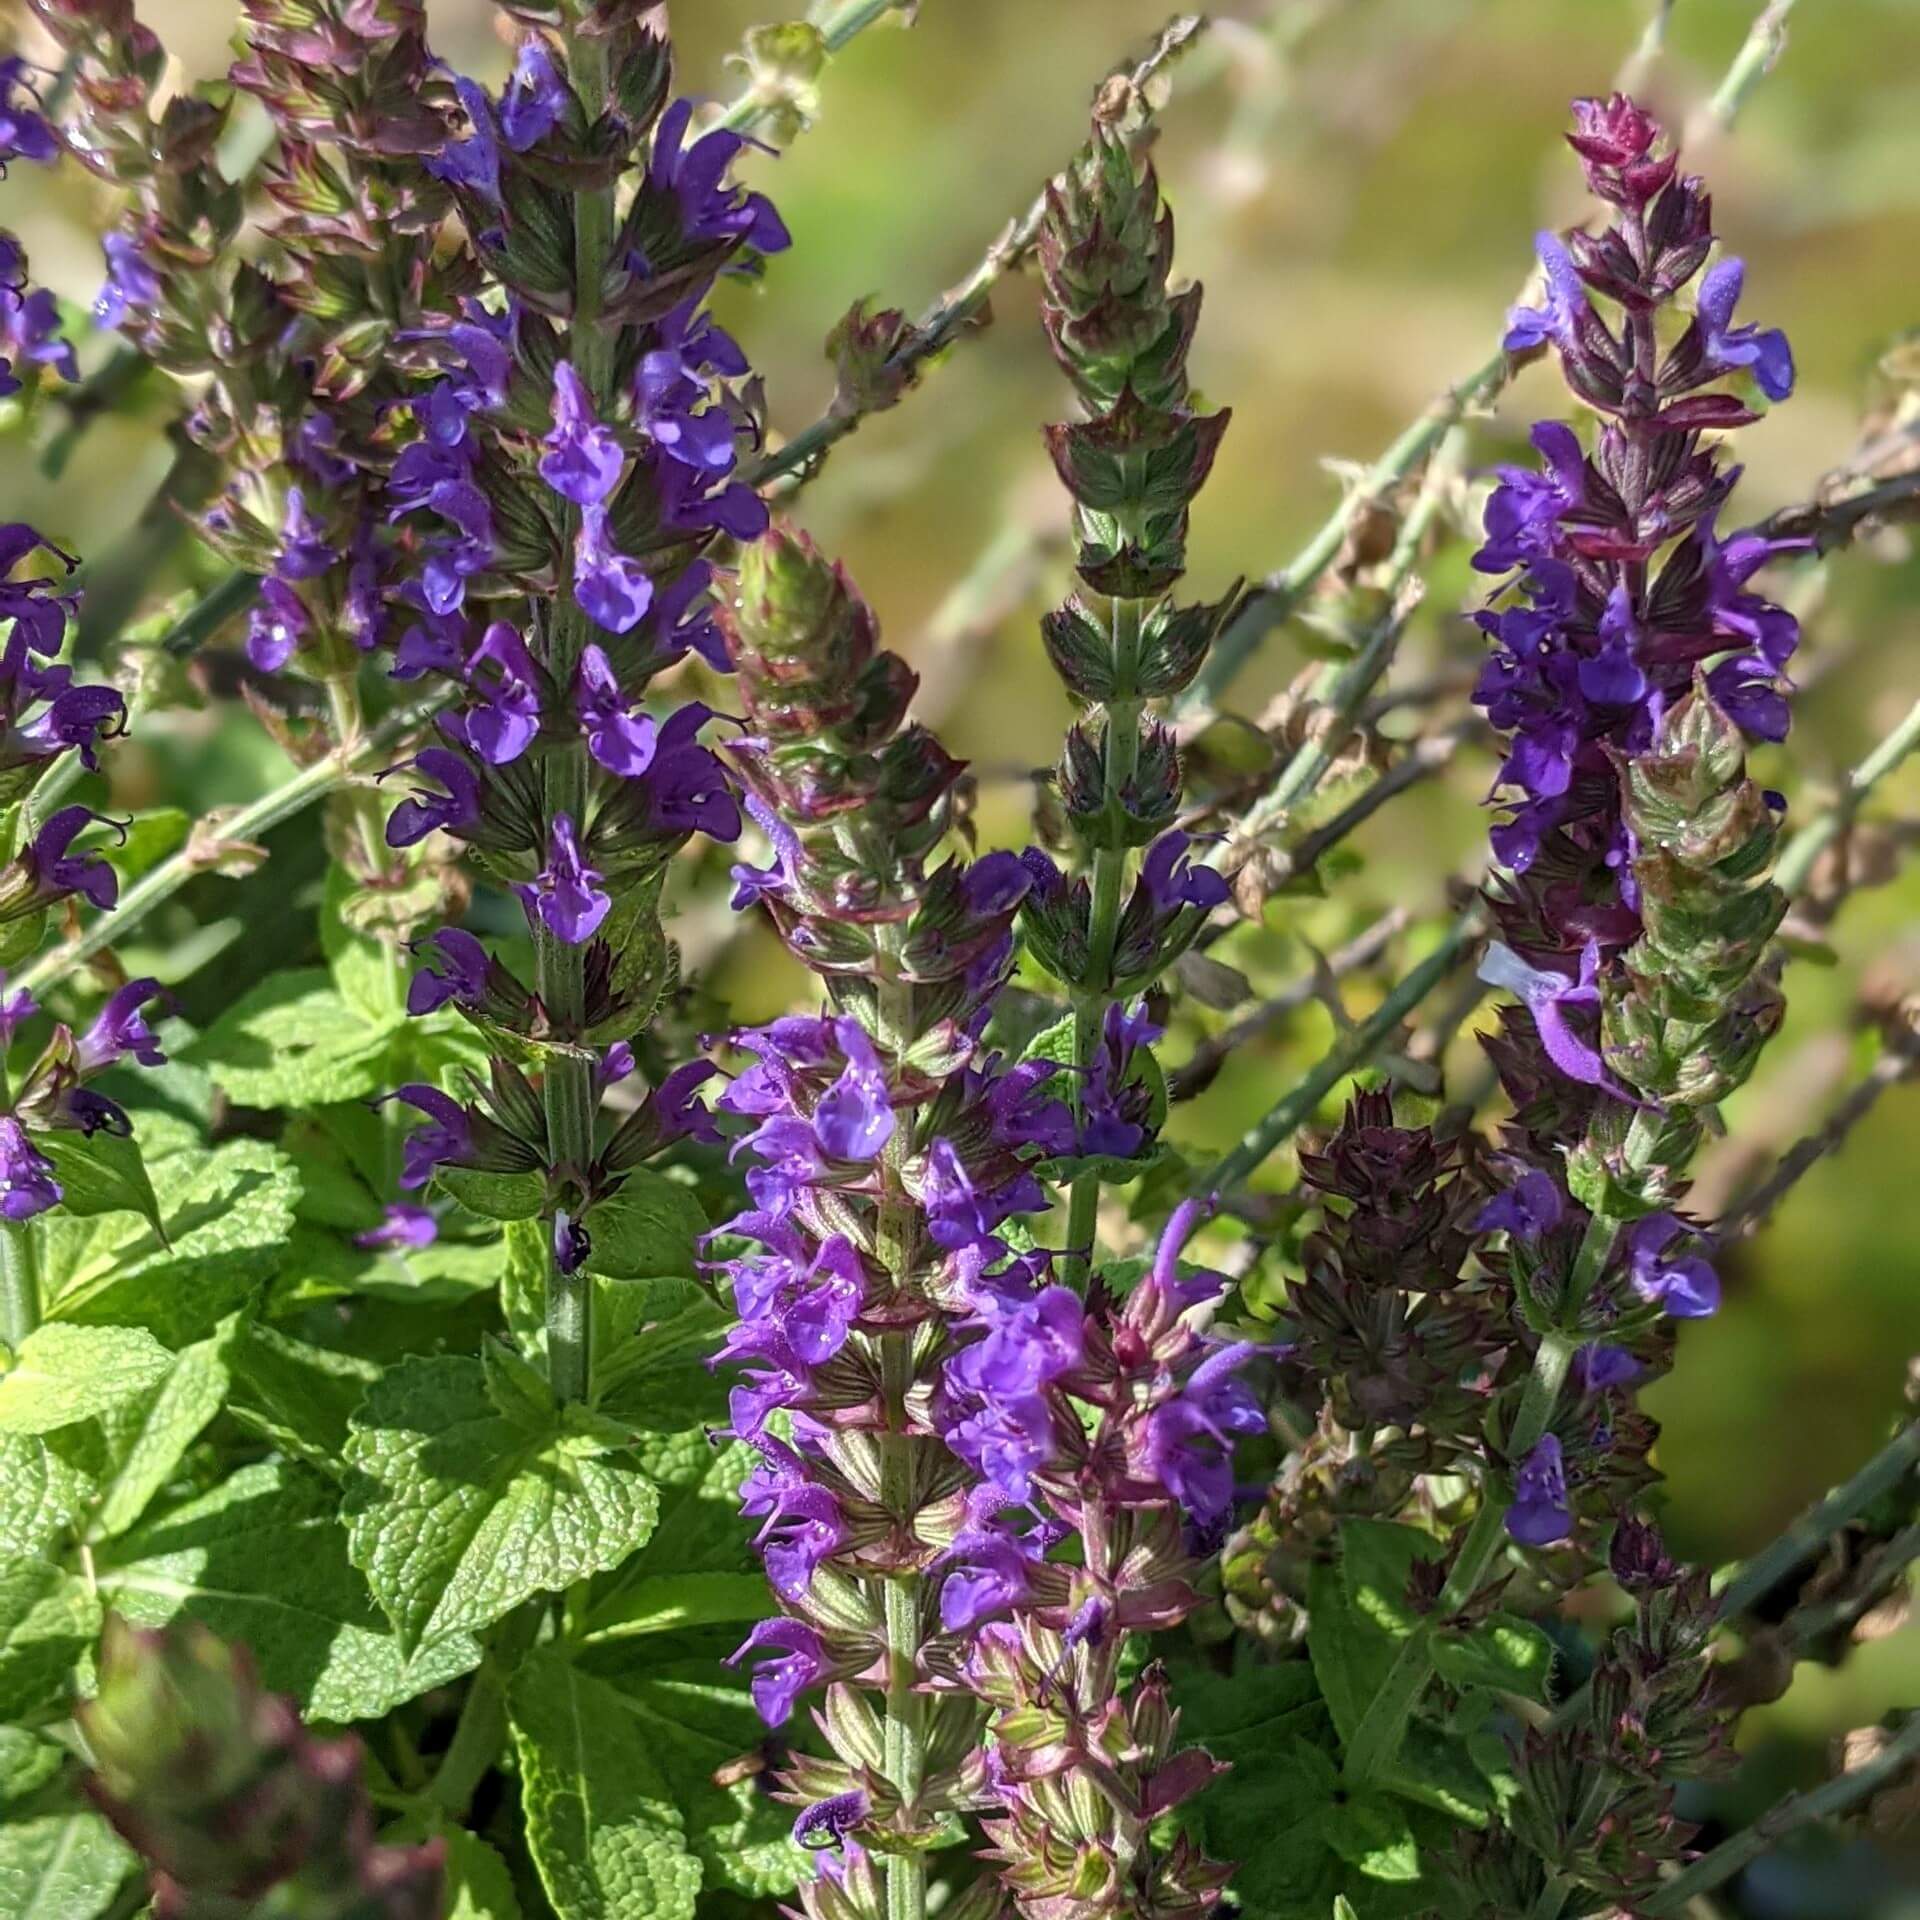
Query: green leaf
x=298 y=1395
x=229 y=1212
x=1358 y=1614
x=42 y=1494
x=694 y=1718
x=494 y=1196
x=65 y=1864
x=262 y=1559
x=146 y=1439
x=62 y=1374
x=28 y=1762
x=1503 y=1652
x=523 y=1286
x=479 y=1883
x=101 y=1173
x=294 y=1041
x=601 y=1824
x=1372 y=1833
x=48 y=1619
x=461 y=1514
x=650 y=1229
x=658 y=1379
x=370 y=973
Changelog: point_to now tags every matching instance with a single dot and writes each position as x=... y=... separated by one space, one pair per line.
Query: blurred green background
x=1357 y=183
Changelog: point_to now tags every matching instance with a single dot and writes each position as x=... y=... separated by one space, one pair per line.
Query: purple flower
x=457 y=972
x=854 y=1117
x=1115 y=1107
x=1171 y=880
x=963 y=1216
x=119 y=1028
x=56 y=871
x=687 y=787
x=447 y=1138
x=1524 y=511
x=571 y=1243
x=1548 y=996
x=1687 y=1287
x=696 y=176
x=416 y=817
x=620 y=735
x=750 y=883
x=1599 y=1367
x=132 y=287
x=16 y=1009
x=671 y=408
x=30 y=330
x=1189 y=1440
x=800 y=1661
x=1728 y=347
x=40 y=616
x=989 y=1572
x=536 y=97
x=613 y=591
x=402 y=1227
x=613 y=1066
x=827 y=1823
x=25 y=133
x=1540 y=1514
x=1558 y=321
x=1529 y=1208
x=304 y=552
x=792 y=1306
x=276 y=626
x=27 y=1185
x=504 y=716
x=802 y=1524
x=581 y=458
x=473 y=163
x=565 y=896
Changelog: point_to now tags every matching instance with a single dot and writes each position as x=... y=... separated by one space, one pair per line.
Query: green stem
x=19 y=1282
x=897 y=1246
x=1797 y=861
x=560 y=966
x=1120 y=751
x=478 y=1737
x=1796 y=1810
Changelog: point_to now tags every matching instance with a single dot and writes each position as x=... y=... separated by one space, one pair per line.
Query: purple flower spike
x=447 y=1138
x=1540 y=1514
x=413 y=819
x=565 y=895
x=27 y=1185
x=581 y=458
x=854 y=1119
x=1728 y=347
x=800 y=1661
x=1686 y=1288
x=119 y=1029
x=132 y=287
x=404 y=1228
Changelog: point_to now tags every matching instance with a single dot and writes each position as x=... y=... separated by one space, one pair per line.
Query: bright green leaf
x=42 y=1493
x=1372 y=1833
x=48 y=1619
x=461 y=1514
x=494 y=1196
x=650 y=1229
x=62 y=1374
x=298 y=1395
x=145 y=1439
x=293 y=1041
x=65 y=1864
x=1504 y=1652
x=101 y=1172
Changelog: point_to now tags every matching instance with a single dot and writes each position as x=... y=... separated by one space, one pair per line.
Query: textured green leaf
x=62 y=1374
x=1374 y=1835
x=293 y=1041
x=65 y=1864
x=42 y=1494
x=28 y=1762
x=262 y=1559
x=657 y=1377
x=1504 y=1652
x=145 y=1439
x=602 y=1826
x=228 y=1210
x=369 y=973
x=298 y=1395
x=47 y=1620
x=461 y=1514
x=523 y=1285
x=650 y=1229
x=494 y=1196
x=1358 y=1614
x=101 y=1172
x=479 y=1884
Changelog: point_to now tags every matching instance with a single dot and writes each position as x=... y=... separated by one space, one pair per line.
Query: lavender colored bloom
x=1189 y=1440
x=30 y=331
x=58 y=871
x=457 y=971
x=16 y=1009
x=571 y=1243
x=27 y=1185
x=581 y=458
x=1728 y=347
x=621 y=735
x=802 y=1523
x=304 y=552
x=1172 y=881
x=132 y=287
x=436 y=644
x=988 y=1573
x=565 y=896
x=696 y=176
x=276 y=626
x=1687 y=1287
x=119 y=1029
x=687 y=786
x=1557 y=322
x=1524 y=511
x=446 y=1139
x=853 y=1119
x=402 y=1228
x=1548 y=996
x=472 y=163
x=613 y=1066
x=25 y=132
x=536 y=97
x=681 y=1112
x=827 y=1823
x=1529 y=1208
x=751 y=883
x=416 y=817
x=1540 y=1514
x=504 y=716
x=1114 y=1107
x=800 y=1661
x=671 y=408
x=963 y=1216
x=613 y=591
x=1599 y=1367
